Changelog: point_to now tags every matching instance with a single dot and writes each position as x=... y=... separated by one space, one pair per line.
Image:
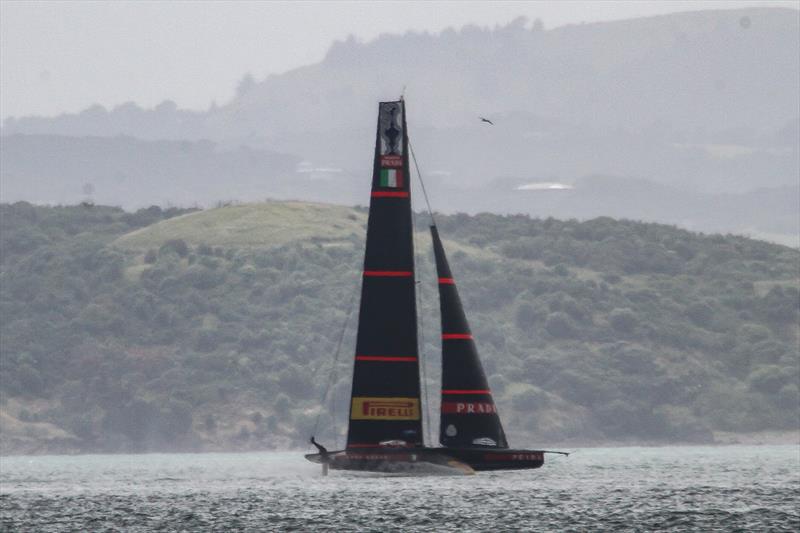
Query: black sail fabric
x=385 y=400
x=468 y=414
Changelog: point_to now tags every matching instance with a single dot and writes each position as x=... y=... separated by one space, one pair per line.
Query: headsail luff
x=385 y=400
x=468 y=414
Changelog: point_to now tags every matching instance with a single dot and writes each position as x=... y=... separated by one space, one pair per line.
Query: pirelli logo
x=385 y=409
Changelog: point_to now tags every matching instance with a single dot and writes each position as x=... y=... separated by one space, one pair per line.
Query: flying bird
x=486 y=120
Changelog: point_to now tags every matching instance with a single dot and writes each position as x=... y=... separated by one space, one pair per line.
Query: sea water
x=724 y=488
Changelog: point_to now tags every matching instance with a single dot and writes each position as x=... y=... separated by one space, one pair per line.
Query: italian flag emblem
x=391 y=177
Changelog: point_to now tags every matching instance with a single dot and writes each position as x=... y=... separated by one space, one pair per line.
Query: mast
x=385 y=398
x=468 y=414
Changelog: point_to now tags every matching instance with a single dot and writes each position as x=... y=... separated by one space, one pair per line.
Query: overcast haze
x=65 y=56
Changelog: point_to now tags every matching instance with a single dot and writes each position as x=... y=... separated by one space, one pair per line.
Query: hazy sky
x=64 y=56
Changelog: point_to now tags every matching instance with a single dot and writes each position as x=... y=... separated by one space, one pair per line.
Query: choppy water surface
x=737 y=488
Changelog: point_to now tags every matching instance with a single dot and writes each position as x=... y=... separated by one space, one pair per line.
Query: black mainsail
x=468 y=412
x=385 y=401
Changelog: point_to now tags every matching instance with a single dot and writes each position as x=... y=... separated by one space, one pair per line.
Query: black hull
x=430 y=460
x=492 y=459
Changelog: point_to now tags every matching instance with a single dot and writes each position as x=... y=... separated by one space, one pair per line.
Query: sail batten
x=468 y=413
x=385 y=400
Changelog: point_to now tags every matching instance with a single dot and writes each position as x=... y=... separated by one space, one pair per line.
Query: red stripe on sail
x=387 y=358
x=465 y=391
x=390 y=194
x=450 y=336
x=388 y=273
x=446 y=281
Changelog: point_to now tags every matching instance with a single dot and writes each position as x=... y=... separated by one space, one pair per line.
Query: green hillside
x=216 y=329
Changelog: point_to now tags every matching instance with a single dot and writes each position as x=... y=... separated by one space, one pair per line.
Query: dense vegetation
x=601 y=330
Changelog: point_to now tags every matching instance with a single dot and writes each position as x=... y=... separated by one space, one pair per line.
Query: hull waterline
x=429 y=460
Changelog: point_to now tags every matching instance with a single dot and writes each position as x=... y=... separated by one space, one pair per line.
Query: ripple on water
x=635 y=489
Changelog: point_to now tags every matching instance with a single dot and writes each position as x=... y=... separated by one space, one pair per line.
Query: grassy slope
x=274 y=224
x=252 y=225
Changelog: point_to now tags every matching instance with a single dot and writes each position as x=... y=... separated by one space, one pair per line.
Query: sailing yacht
x=385 y=421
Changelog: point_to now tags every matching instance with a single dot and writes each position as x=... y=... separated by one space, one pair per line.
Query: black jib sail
x=385 y=401
x=468 y=413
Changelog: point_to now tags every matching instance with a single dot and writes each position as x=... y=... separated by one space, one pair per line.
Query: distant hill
x=210 y=330
x=717 y=76
x=136 y=173
x=700 y=107
x=133 y=173
x=696 y=79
